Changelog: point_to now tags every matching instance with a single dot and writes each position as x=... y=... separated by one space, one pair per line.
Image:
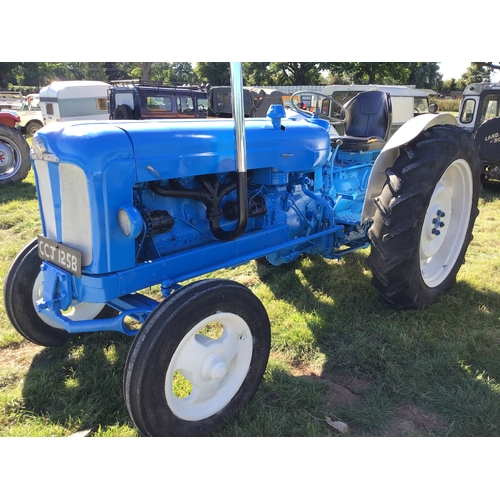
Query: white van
x=406 y=102
x=74 y=100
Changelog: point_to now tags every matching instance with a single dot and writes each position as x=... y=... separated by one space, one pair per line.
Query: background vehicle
x=74 y=100
x=30 y=115
x=14 y=151
x=220 y=104
x=144 y=100
x=10 y=99
x=257 y=101
x=126 y=206
x=479 y=115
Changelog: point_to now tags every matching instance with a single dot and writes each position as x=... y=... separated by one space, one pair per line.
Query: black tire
x=422 y=228
x=167 y=341
x=20 y=291
x=123 y=112
x=14 y=156
x=32 y=128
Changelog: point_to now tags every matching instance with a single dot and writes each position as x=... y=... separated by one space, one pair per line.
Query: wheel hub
x=6 y=158
x=214 y=368
x=435 y=228
x=438 y=223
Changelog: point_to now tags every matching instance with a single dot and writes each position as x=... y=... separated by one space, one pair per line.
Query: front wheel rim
x=78 y=311
x=211 y=370
x=446 y=223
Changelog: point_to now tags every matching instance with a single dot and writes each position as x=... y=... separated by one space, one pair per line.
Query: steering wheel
x=416 y=110
x=309 y=114
x=201 y=107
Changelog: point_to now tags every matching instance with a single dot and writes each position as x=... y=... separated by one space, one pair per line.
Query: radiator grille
x=65 y=204
x=75 y=211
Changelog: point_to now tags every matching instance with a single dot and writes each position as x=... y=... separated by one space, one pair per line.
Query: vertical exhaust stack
x=241 y=158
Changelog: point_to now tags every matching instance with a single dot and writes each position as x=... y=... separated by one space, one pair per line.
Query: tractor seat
x=368 y=121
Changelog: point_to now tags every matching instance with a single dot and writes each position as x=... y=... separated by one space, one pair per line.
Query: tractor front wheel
x=424 y=218
x=22 y=290
x=197 y=359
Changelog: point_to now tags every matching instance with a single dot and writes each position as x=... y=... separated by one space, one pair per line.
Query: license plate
x=62 y=256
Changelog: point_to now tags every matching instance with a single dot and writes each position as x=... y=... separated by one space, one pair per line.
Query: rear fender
x=388 y=155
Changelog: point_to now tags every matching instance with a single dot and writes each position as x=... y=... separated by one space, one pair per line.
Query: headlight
x=130 y=221
x=39 y=152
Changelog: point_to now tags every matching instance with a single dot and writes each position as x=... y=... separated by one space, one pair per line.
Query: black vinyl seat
x=368 y=121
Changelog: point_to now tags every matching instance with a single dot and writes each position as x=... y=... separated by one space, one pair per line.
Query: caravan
x=74 y=100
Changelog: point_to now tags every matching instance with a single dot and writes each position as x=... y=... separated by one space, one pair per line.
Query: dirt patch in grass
x=413 y=420
x=409 y=420
x=19 y=356
x=341 y=390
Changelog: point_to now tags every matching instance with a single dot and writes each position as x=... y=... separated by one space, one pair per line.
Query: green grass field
x=338 y=352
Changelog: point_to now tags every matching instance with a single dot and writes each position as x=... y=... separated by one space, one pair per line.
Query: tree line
x=420 y=74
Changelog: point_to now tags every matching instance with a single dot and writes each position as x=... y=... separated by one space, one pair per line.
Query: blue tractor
x=128 y=205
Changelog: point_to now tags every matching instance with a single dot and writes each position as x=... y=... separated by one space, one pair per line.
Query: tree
x=296 y=73
x=424 y=75
x=257 y=73
x=115 y=71
x=182 y=72
x=452 y=84
x=146 y=70
x=215 y=73
x=7 y=70
x=478 y=72
x=367 y=73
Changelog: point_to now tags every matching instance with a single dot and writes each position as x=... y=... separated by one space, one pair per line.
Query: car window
x=468 y=111
x=158 y=103
x=202 y=104
x=490 y=107
x=421 y=104
x=185 y=105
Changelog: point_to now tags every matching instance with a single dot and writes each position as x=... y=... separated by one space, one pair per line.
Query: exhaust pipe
x=241 y=151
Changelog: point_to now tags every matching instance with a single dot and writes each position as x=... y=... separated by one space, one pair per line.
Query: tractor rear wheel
x=14 y=156
x=197 y=359
x=424 y=218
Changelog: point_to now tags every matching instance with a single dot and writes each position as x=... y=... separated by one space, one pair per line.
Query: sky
x=453 y=69
x=456 y=69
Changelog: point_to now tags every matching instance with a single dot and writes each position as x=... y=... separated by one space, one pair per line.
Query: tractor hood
x=166 y=149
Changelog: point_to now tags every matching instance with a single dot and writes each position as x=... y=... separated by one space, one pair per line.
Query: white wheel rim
x=215 y=369
x=446 y=223
x=78 y=311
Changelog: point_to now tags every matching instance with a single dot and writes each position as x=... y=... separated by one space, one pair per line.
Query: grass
x=337 y=351
x=448 y=105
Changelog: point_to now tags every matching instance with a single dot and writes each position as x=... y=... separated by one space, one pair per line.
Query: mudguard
x=388 y=155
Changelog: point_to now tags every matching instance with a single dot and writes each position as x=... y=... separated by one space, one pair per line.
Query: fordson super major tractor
x=126 y=205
